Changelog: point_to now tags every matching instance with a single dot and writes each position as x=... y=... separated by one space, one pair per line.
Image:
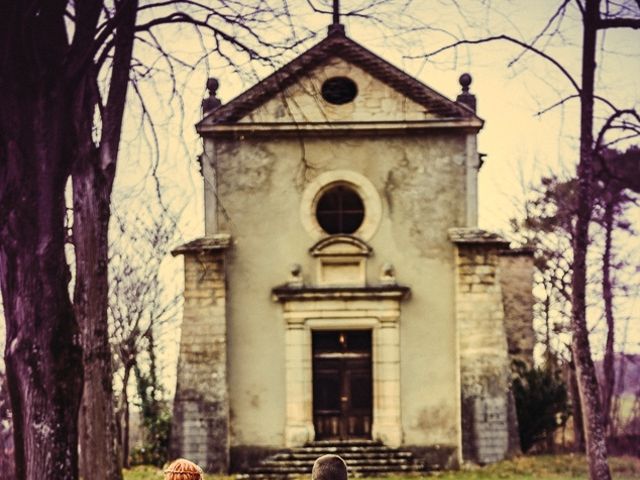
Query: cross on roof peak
x=336 y=27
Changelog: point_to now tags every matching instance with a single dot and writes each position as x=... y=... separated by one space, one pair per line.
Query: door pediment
x=341 y=260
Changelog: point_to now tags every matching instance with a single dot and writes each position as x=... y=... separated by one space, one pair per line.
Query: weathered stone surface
x=200 y=429
x=473 y=236
x=365 y=458
x=209 y=243
x=482 y=343
x=420 y=180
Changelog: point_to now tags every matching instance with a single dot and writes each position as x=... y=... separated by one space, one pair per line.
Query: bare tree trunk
x=578 y=423
x=42 y=355
x=607 y=294
x=43 y=359
x=547 y=323
x=93 y=175
x=100 y=458
x=125 y=416
x=587 y=381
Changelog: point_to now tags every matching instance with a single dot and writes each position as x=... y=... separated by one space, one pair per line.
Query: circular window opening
x=339 y=90
x=340 y=210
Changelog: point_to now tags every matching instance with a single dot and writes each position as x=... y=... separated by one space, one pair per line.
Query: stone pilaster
x=200 y=429
x=482 y=346
x=299 y=410
x=472 y=168
x=387 y=424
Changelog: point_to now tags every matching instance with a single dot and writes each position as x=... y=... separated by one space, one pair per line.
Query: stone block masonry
x=200 y=427
x=482 y=346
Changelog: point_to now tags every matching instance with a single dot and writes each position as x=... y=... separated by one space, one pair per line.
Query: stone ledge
x=288 y=292
x=210 y=243
x=477 y=236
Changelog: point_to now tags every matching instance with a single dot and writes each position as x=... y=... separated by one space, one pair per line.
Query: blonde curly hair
x=182 y=469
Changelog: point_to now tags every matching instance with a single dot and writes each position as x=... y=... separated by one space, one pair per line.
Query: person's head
x=182 y=469
x=329 y=467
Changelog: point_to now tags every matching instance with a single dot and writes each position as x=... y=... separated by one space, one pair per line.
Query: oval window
x=340 y=210
x=339 y=90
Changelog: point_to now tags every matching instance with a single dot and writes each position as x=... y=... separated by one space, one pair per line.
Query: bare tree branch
x=509 y=39
x=619 y=23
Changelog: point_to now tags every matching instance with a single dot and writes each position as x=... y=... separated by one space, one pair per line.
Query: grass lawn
x=553 y=467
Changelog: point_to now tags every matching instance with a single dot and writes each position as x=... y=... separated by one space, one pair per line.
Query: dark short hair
x=329 y=467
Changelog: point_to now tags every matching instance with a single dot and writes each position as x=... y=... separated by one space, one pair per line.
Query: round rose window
x=340 y=210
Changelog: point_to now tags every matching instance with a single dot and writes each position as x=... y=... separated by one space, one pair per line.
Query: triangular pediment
x=292 y=95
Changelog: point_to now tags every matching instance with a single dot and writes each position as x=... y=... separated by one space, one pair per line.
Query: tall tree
x=93 y=174
x=617 y=177
x=548 y=227
x=42 y=354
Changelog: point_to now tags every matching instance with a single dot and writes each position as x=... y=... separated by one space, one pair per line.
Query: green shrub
x=541 y=403
x=155 y=449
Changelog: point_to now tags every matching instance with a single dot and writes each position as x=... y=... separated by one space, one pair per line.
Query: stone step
x=283 y=469
x=363 y=457
x=352 y=442
x=273 y=475
x=345 y=455
x=344 y=449
x=350 y=461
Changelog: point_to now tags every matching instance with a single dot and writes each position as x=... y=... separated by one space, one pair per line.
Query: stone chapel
x=343 y=293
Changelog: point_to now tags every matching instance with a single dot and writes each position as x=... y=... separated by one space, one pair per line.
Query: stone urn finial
x=466 y=98
x=465 y=80
x=295 y=275
x=387 y=274
x=211 y=102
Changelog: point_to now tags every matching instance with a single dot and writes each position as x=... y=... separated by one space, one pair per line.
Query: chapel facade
x=343 y=289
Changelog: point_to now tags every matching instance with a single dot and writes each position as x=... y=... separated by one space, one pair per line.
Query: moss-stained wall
x=200 y=428
x=484 y=362
x=420 y=179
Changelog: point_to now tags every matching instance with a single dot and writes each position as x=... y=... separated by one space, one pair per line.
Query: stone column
x=200 y=428
x=387 y=426
x=482 y=346
x=299 y=409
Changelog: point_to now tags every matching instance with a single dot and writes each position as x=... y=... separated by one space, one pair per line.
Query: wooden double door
x=342 y=384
